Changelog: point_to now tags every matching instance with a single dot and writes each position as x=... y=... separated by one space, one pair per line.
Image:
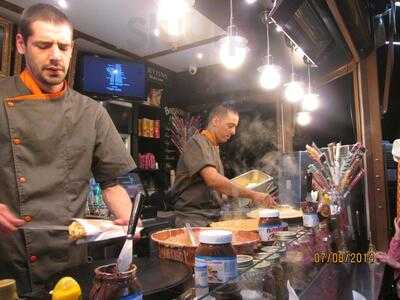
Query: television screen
x=114 y=77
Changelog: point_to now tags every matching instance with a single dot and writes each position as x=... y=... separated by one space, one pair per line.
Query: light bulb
x=251 y=1
x=233 y=51
x=397 y=3
x=171 y=16
x=294 y=91
x=270 y=77
x=303 y=118
x=310 y=102
x=199 y=55
x=299 y=52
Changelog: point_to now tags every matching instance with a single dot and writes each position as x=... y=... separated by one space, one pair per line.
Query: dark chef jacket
x=50 y=146
x=196 y=203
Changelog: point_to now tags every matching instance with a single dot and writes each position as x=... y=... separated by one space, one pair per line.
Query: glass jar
x=110 y=284
x=268 y=225
x=215 y=259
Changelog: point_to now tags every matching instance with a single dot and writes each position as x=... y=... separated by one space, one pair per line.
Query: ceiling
x=129 y=25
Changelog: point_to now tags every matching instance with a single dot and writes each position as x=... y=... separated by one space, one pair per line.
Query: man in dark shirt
x=52 y=141
x=200 y=184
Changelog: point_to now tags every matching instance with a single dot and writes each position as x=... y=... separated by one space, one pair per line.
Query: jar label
x=310 y=220
x=200 y=275
x=219 y=268
x=266 y=231
x=134 y=296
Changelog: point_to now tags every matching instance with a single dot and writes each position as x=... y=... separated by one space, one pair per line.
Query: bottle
x=324 y=209
x=66 y=289
x=8 y=289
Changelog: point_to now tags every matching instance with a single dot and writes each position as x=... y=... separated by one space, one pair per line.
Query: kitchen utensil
x=29 y=226
x=126 y=254
x=191 y=234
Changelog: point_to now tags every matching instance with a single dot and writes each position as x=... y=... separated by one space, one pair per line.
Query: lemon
x=66 y=289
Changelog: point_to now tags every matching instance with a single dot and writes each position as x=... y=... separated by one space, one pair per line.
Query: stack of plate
x=244 y=261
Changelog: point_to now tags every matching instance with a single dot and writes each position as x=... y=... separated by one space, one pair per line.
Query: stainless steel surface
x=255 y=180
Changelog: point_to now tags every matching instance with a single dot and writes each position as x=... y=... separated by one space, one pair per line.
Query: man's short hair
x=222 y=110
x=40 y=12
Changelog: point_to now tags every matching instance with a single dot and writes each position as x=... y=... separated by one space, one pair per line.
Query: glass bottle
x=110 y=284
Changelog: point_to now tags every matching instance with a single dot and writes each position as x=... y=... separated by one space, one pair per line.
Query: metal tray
x=254 y=180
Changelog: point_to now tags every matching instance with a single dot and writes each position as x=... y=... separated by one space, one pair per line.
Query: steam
x=256 y=147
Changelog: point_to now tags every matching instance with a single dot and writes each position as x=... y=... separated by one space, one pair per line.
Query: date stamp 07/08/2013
x=344 y=257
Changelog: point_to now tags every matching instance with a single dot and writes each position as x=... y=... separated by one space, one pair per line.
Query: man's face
x=47 y=53
x=225 y=126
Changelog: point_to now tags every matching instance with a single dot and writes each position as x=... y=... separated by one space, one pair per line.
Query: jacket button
x=22 y=179
x=10 y=103
x=33 y=258
x=27 y=218
x=17 y=141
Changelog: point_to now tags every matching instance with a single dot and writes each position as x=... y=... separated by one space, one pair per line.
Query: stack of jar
x=147 y=161
x=149 y=128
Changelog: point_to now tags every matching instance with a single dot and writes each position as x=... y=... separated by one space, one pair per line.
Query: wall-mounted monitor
x=112 y=77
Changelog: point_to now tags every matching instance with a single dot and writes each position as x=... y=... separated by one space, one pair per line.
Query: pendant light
x=270 y=77
x=233 y=49
x=310 y=100
x=303 y=118
x=172 y=16
x=294 y=90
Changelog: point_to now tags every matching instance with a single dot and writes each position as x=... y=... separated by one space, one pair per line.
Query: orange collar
x=37 y=93
x=210 y=136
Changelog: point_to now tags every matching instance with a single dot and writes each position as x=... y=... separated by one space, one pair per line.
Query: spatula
x=126 y=254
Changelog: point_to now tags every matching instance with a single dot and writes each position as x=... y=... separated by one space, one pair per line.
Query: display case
x=303 y=267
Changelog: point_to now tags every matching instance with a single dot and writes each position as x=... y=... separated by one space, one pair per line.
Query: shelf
x=149 y=138
x=158 y=108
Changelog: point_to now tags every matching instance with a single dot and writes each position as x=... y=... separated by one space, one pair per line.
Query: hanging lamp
x=233 y=49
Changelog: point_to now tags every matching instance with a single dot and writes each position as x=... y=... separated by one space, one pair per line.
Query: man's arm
x=222 y=184
x=117 y=200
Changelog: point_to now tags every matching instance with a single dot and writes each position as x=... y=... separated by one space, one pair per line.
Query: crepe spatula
x=126 y=254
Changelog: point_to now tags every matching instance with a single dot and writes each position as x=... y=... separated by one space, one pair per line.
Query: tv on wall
x=112 y=77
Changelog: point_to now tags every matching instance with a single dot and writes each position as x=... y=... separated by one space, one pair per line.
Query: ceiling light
x=299 y=52
x=397 y=3
x=199 y=55
x=303 y=118
x=294 y=91
x=156 y=32
x=233 y=49
x=172 y=15
x=278 y=28
x=270 y=77
x=310 y=100
x=251 y=1
x=63 y=4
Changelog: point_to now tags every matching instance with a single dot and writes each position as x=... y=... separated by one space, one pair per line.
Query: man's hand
x=263 y=199
x=125 y=222
x=8 y=221
x=385 y=258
